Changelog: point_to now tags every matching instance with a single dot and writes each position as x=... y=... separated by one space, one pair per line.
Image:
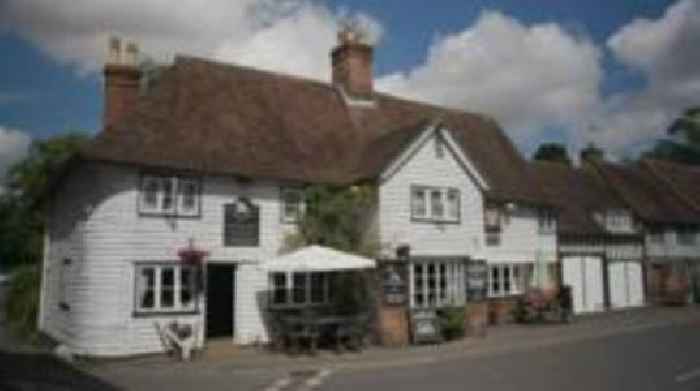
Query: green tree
x=683 y=145
x=553 y=152
x=337 y=217
x=21 y=217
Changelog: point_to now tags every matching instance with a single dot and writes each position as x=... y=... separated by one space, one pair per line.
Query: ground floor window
x=437 y=284
x=507 y=279
x=164 y=288
x=300 y=288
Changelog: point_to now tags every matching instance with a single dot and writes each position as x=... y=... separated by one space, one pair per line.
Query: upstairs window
x=435 y=204
x=547 y=222
x=170 y=195
x=687 y=236
x=293 y=205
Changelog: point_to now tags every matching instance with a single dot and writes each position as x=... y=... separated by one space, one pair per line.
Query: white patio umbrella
x=318 y=259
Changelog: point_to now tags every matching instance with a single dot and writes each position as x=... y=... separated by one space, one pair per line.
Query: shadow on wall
x=23 y=371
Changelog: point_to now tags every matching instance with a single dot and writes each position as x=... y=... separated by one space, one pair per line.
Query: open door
x=220 y=300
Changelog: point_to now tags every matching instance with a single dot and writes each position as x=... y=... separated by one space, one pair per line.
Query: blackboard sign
x=241 y=224
x=476 y=276
x=393 y=285
x=426 y=326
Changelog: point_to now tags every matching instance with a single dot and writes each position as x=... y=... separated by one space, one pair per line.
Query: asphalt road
x=659 y=359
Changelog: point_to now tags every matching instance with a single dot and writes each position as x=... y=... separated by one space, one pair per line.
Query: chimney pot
x=115 y=50
x=132 y=54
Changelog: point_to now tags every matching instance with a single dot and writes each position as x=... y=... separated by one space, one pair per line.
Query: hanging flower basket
x=193 y=256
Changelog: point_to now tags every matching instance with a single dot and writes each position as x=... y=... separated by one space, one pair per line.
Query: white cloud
x=665 y=50
x=284 y=35
x=527 y=77
x=13 y=147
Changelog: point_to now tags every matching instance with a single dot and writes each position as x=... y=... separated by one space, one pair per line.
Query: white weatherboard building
x=217 y=156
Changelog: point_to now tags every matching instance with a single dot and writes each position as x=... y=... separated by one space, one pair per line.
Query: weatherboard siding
x=520 y=240
x=440 y=239
x=97 y=208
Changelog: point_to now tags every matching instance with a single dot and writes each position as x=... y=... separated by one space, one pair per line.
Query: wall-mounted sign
x=393 y=285
x=477 y=275
x=241 y=224
x=426 y=326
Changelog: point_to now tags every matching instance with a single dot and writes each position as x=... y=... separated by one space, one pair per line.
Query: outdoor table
x=313 y=327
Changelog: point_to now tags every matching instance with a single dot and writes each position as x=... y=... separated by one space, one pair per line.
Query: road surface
x=659 y=359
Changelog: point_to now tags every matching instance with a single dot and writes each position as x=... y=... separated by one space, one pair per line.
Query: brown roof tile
x=227 y=119
x=649 y=196
x=577 y=194
x=682 y=179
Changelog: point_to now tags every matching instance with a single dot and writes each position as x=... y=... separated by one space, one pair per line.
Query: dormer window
x=169 y=195
x=618 y=220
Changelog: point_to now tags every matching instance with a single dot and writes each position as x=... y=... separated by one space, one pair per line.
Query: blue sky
x=601 y=89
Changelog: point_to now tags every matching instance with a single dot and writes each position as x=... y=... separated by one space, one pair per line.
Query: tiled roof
x=227 y=119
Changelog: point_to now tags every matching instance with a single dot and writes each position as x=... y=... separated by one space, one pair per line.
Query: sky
x=613 y=73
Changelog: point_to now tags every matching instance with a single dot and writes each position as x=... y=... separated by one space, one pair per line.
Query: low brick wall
x=500 y=310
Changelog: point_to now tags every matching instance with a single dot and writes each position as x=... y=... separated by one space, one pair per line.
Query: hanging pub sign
x=393 y=285
x=477 y=274
x=241 y=224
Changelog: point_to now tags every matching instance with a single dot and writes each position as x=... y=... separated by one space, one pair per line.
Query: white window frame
x=514 y=271
x=177 y=197
x=300 y=205
x=618 y=220
x=289 y=289
x=453 y=274
x=427 y=204
x=439 y=147
x=158 y=308
x=547 y=221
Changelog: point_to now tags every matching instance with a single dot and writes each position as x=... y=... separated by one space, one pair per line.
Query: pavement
x=226 y=367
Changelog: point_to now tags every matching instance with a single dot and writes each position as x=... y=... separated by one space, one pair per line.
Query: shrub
x=453 y=322
x=22 y=300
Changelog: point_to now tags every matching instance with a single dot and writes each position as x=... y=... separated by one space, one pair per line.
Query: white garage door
x=585 y=276
x=626 y=289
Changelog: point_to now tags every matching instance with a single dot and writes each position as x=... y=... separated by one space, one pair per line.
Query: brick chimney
x=122 y=81
x=351 y=64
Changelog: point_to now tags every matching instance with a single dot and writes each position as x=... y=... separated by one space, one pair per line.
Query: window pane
x=506 y=279
x=418 y=284
x=418 y=205
x=299 y=292
x=150 y=193
x=442 y=282
x=495 y=280
x=317 y=287
x=436 y=205
x=145 y=288
x=167 y=201
x=189 y=191
x=186 y=286
x=453 y=204
x=432 y=284
x=279 y=288
x=167 y=288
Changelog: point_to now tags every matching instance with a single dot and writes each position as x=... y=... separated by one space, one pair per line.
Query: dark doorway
x=220 y=302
